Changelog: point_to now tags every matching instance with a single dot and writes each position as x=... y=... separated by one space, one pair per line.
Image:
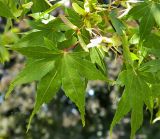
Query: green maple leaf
x=135 y=95
x=67 y=69
x=71 y=72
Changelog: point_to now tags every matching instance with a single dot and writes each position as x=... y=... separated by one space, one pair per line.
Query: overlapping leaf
x=117 y=23
x=97 y=56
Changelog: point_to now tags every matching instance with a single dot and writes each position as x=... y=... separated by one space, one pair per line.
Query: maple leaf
x=135 y=95
x=68 y=70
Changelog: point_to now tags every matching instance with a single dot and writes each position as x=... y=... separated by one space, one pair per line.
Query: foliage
x=68 y=50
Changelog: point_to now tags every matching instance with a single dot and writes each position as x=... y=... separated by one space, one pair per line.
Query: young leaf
x=82 y=42
x=74 y=17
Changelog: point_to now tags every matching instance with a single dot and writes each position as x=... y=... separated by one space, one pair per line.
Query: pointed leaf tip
x=11 y=87
x=30 y=120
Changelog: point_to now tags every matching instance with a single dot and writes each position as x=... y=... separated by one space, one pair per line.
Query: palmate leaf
x=67 y=69
x=135 y=95
x=72 y=76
